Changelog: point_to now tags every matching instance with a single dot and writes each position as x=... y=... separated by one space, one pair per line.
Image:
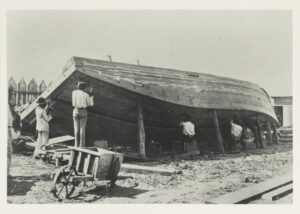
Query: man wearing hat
x=80 y=101
x=42 y=125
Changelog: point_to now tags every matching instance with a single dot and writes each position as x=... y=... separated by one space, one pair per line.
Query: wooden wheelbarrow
x=86 y=164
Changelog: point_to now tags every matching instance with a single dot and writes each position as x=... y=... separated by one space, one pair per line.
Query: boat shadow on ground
x=21 y=185
x=101 y=192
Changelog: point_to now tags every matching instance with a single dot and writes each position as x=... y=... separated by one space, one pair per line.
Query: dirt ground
x=203 y=178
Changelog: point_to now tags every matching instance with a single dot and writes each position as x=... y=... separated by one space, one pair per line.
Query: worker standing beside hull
x=80 y=101
x=42 y=126
x=188 y=134
x=236 y=133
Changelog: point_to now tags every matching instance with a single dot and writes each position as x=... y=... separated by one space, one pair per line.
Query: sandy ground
x=202 y=179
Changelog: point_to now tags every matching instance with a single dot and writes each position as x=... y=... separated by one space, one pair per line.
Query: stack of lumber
x=285 y=135
x=272 y=189
x=52 y=141
x=278 y=193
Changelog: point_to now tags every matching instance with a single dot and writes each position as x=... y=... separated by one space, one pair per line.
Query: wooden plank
x=57 y=161
x=112 y=164
x=42 y=86
x=86 y=164
x=218 y=132
x=81 y=178
x=22 y=99
x=60 y=139
x=78 y=161
x=285 y=200
x=133 y=168
x=91 y=165
x=89 y=150
x=278 y=193
x=32 y=91
x=96 y=165
x=52 y=141
x=59 y=151
x=104 y=166
x=247 y=194
x=141 y=132
x=66 y=157
x=71 y=158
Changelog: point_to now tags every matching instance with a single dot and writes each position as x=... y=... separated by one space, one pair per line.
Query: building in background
x=283 y=106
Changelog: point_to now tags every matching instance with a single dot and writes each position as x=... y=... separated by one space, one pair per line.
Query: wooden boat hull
x=165 y=95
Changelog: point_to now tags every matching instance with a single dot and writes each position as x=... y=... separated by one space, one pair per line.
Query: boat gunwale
x=79 y=63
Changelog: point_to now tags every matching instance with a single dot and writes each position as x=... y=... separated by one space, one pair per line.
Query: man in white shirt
x=236 y=133
x=188 y=132
x=42 y=126
x=80 y=101
x=188 y=128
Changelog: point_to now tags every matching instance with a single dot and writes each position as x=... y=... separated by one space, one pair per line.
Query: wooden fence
x=23 y=94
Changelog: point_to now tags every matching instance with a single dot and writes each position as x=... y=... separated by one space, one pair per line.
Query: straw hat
x=41 y=101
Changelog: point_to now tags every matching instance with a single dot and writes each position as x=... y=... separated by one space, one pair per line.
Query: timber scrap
x=271 y=190
x=135 y=104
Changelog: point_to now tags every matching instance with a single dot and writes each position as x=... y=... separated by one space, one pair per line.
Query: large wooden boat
x=133 y=101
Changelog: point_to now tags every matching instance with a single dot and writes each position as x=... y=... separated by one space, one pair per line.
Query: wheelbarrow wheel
x=63 y=187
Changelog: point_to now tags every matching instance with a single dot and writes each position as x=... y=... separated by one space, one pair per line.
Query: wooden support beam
x=133 y=168
x=260 y=140
x=81 y=178
x=52 y=141
x=256 y=136
x=275 y=134
x=218 y=132
x=270 y=137
x=141 y=131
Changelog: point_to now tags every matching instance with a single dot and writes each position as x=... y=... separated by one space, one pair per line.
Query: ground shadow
x=129 y=192
x=20 y=185
x=105 y=192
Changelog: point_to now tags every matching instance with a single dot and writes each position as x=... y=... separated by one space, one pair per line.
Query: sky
x=250 y=45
